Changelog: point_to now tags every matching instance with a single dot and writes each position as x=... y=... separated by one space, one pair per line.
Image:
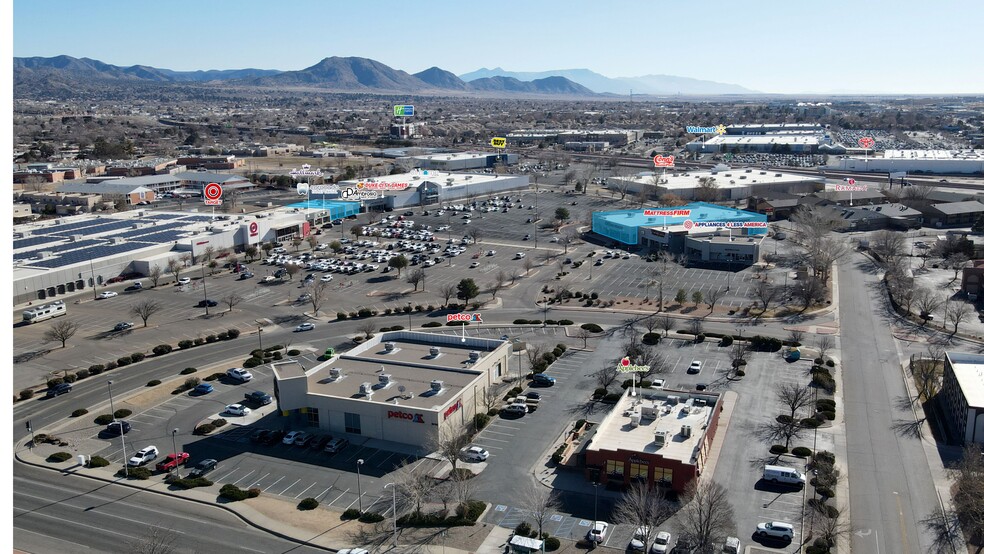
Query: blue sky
x=779 y=46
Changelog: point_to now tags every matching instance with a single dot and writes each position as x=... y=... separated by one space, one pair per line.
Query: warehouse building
x=725 y=184
x=917 y=161
x=962 y=396
x=400 y=386
x=659 y=437
x=459 y=161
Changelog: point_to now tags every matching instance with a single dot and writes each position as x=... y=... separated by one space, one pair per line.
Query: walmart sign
x=404 y=111
x=694 y=130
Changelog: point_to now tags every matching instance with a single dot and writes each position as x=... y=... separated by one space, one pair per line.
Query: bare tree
x=319 y=295
x=231 y=300
x=528 y=264
x=448 y=443
x=944 y=528
x=447 y=291
x=713 y=296
x=956 y=262
x=368 y=328
x=209 y=253
x=796 y=336
x=145 y=309
x=824 y=344
x=696 y=327
x=707 y=516
x=793 y=396
x=809 y=291
x=491 y=396
x=927 y=302
x=498 y=284
x=831 y=527
x=154 y=274
x=513 y=276
x=312 y=241
x=156 y=540
x=476 y=234
x=583 y=335
x=645 y=508
x=739 y=353
x=765 y=293
x=888 y=245
x=782 y=429
x=667 y=324
x=414 y=277
x=174 y=267
x=606 y=376
x=292 y=270
x=968 y=495
x=537 y=500
x=412 y=487
x=533 y=352
x=60 y=331
x=958 y=313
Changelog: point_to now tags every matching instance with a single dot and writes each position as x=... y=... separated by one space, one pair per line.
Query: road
x=891 y=487
x=54 y=513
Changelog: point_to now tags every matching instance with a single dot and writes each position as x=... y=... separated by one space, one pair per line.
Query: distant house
x=775 y=206
x=882 y=216
x=953 y=214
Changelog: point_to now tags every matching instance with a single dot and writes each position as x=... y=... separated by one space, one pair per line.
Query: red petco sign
x=477 y=317
x=416 y=418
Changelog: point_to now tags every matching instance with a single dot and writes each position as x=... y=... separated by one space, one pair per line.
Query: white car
x=475 y=454
x=598 y=532
x=695 y=366
x=326 y=278
x=237 y=410
x=107 y=294
x=289 y=438
x=775 y=530
x=240 y=374
x=661 y=543
x=184 y=281
x=143 y=456
x=304 y=327
x=638 y=537
x=473 y=265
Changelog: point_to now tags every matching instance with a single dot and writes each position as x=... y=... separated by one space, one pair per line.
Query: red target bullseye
x=213 y=191
x=688 y=224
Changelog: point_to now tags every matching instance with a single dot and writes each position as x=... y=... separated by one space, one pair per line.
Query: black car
x=117 y=428
x=203 y=467
x=259 y=397
x=274 y=437
x=259 y=435
x=209 y=303
x=59 y=389
x=533 y=395
x=320 y=443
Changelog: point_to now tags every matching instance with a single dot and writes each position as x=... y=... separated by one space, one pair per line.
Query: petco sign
x=452 y=409
x=476 y=317
x=416 y=418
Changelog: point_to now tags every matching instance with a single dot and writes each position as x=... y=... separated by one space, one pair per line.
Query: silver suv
x=775 y=530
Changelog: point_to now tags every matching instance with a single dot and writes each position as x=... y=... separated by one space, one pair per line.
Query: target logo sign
x=213 y=194
x=254 y=229
x=688 y=224
x=866 y=142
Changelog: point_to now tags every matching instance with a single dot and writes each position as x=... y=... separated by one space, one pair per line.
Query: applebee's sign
x=625 y=366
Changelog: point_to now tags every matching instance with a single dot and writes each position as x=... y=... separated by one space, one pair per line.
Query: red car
x=172 y=461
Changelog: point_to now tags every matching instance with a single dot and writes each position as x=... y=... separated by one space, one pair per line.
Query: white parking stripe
x=288 y=488
x=305 y=490
x=236 y=482
x=339 y=496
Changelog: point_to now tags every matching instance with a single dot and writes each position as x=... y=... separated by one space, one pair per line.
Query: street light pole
x=259 y=334
x=92 y=272
x=126 y=471
x=174 y=448
x=386 y=486
x=595 y=526
x=410 y=316
x=358 y=477
x=205 y=289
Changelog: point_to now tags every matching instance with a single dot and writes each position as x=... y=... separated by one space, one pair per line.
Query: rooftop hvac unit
x=660 y=439
x=700 y=402
x=335 y=372
x=365 y=389
x=473 y=356
x=686 y=431
x=75 y=238
x=435 y=351
x=634 y=420
x=389 y=346
x=385 y=379
x=437 y=386
x=135 y=226
x=673 y=400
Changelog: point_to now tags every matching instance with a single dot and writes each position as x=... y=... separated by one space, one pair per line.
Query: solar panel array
x=163 y=236
x=149 y=230
x=59 y=248
x=95 y=252
x=197 y=218
x=70 y=229
x=112 y=226
x=164 y=216
x=34 y=241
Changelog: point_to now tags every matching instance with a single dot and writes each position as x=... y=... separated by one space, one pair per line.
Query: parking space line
x=288 y=488
x=236 y=482
x=305 y=490
x=224 y=477
x=339 y=496
x=258 y=481
x=321 y=496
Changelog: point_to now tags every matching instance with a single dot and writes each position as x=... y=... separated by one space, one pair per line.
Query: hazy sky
x=779 y=46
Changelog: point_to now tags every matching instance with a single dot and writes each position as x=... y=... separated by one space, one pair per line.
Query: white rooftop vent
x=672 y=400
x=75 y=238
x=634 y=420
x=473 y=356
x=335 y=372
x=365 y=389
x=435 y=351
x=389 y=346
x=437 y=386
x=660 y=438
x=385 y=379
x=686 y=431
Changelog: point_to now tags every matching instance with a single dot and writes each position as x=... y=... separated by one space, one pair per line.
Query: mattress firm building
x=704 y=232
x=400 y=386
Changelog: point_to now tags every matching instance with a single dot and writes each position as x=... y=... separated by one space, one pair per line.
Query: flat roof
x=969 y=371
x=440 y=178
x=635 y=421
x=934 y=154
x=801 y=137
x=724 y=179
x=969 y=206
x=695 y=211
x=455 y=156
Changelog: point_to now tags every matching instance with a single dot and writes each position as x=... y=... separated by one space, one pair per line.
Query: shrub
x=122 y=413
x=70 y=378
x=153 y=382
x=515 y=391
x=199 y=341
x=218 y=422
x=111 y=365
x=830 y=363
x=353 y=315
x=341 y=316
x=765 y=344
x=784 y=418
x=97 y=461
x=190 y=483
x=80 y=412
x=188 y=370
x=524 y=529
x=548 y=357
x=558 y=352
x=650 y=338
x=397 y=328
x=493 y=412
x=82 y=374
x=215 y=376
x=558 y=455
x=520 y=321
x=456 y=323
x=599 y=393
x=233 y=333
x=358 y=339
x=826 y=382
x=365 y=312
x=825 y=492
x=727 y=340
x=594 y=295
x=700 y=337
x=591 y=327
x=211 y=338
x=802 y=452
x=481 y=420
x=293 y=352
x=612 y=397
x=371 y=517
x=740 y=373
x=140 y=473
x=461 y=474
x=162 y=349
x=223 y=335
x=253 y=492
x=551 y=322
x=96 y=369
x=185 y=344
x=123 y=361
x=777 y=449
x=233 y=493
x=551 y=543
x=818 y=361
x=565 y=322
x=388 y=311
x=535 y=322
x=560 y=346
x=826 y=404
x=307 y=504
x=204 y=429
x=809 y=423
x=252 y=362
x=59 y=457
x=432 y=324
x=277 y=356
x=351 y=513
x=824 y=457
x=814 y=549
x=258 y=353
x=103 y=419
x=26 y=394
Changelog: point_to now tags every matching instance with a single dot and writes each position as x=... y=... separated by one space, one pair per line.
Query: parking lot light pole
x=205 y=289
x=259 y=334
x=177 y=470
x=410 y=316
x=386 y=486
x=358 y=477
x=126 y=471
x=595 y=485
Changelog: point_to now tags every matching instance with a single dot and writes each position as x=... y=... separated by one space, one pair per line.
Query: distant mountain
x=549 y=85
x=351 y=74
x=647 y=84
x=439 y=78
x=95 y=69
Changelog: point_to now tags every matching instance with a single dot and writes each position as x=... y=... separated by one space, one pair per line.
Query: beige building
x=400 y=386
x=962 y=396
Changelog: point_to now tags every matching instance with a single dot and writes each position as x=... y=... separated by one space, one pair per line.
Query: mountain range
x=354 y=74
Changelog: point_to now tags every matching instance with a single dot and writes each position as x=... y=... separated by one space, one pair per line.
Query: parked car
x=303 y=439
x=775 y=530
x=123 y=326
x=172 y=461
x=289 y=438
x=274 y=437
x=203 y=467
x=336 y=445
x=204 y=303
x=304 y=327
x=543 y=379
x=533 y=395
x=117 y=427
x=259 y=435
x=203 y=388
x=145 y=455
x=320 y=443
x=58 y=390
x=107 y=294
x=184 y=281
x=259 y=397
x=598 y=532
x=516 y=409
x=239 y=374
x=237 y=410
x=475 y=454
x=695 y=366
x=661 y=543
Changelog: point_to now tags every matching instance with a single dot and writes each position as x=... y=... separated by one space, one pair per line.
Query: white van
x=781 y=474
